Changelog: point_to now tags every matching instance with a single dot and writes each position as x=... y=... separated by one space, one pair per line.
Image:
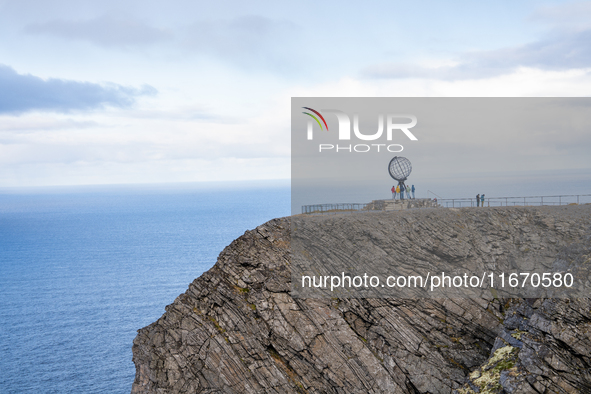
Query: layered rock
x=237 y=329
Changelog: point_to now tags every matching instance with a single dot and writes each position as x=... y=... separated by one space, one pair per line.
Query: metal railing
x=458 y=203
x=516 y=201
x=334 y=208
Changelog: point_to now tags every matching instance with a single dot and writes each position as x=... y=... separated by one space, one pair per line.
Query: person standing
x=413 y=191
x=478 y=200
x=482 y=200
x=408 y=192
x=393 y=192
x=398 y=190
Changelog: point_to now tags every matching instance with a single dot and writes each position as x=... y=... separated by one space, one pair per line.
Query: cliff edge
x=238 y=330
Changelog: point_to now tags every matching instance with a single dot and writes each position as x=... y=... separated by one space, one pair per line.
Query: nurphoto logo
x=344 y=130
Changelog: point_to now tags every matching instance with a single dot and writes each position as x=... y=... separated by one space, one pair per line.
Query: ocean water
x=82 y=269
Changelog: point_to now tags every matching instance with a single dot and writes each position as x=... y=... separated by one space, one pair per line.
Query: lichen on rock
x=487 y=377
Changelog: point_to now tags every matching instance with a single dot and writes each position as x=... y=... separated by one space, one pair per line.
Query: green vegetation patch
x=487 y=377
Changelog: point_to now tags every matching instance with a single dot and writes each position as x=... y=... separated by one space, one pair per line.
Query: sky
x=118 y=92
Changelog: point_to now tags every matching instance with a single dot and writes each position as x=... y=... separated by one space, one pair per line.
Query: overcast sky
x=104 y=92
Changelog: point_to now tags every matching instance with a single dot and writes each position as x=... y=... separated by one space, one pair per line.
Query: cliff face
x=238 y=330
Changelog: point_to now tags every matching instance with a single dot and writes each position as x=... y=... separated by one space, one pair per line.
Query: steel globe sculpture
x=399 y=169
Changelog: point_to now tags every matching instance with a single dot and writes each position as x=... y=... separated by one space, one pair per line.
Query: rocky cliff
x=237 y=329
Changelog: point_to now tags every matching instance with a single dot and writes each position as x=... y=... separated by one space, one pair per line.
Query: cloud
x=244 y=40
x=107 y=31
x=21 y=93
x=11 y=126
x=248 y=41
x=568 y=16
x=560 y=52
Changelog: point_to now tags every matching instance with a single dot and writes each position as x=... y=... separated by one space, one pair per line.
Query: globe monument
x=399 y=169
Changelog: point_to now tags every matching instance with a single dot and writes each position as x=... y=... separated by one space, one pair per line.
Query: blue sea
x=83 y=268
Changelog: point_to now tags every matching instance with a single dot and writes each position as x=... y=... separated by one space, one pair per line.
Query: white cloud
x=225 y=72
x=523 y=82
x=105 y=30
x=247 y=41
x=562 y=51
x=569 y=16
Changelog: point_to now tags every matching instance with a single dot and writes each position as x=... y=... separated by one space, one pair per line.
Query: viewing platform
x=376 y=205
